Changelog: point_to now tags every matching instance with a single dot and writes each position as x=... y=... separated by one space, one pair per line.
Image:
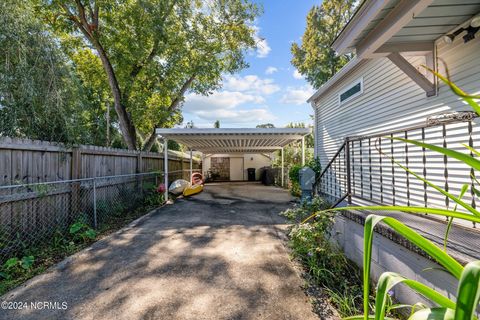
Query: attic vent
x=351 y=91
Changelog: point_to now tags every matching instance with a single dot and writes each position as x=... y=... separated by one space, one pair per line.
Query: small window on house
x=351 y=91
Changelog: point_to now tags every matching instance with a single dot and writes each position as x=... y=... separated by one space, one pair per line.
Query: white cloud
x=225 y=106
x=297 y=95
x=219 y=100
x=263 y=49
x=297 y=75
x=271 y=70
x=251 y=84
x=242 y=100
x=238 y=116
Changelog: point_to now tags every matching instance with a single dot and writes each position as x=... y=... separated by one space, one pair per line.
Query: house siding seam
x=392 y=101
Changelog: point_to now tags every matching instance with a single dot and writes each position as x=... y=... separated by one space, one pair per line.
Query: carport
x=232 y=140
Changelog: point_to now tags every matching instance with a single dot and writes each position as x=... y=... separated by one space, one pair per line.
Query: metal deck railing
x=364 y=168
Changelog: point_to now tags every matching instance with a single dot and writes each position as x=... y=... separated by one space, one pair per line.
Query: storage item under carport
x=251 y=174
x=192 y=189
x=268 y=176
x=178 y=186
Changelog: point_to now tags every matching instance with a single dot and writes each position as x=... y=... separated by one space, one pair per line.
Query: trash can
x=268 y=176
x=251 y=174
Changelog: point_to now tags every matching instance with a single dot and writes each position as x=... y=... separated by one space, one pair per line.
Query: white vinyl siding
x=392 y=101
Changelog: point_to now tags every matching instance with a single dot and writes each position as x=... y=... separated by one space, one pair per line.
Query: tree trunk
x=126 y=125
x=151 y=140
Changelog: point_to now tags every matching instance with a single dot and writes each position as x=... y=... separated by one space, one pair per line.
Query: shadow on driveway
x=218 y=255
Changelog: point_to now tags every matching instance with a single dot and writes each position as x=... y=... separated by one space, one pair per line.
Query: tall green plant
x=468 y=292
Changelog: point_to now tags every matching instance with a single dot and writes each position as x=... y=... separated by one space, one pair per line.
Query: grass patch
x=79 y=235
x=323 y=260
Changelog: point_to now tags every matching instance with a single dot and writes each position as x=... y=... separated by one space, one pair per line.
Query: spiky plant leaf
x=406 y=209
x=463 y=157
x=474 y=151
x=388 y=280
x=450 y=220
x=431 y=249
x=433 y=314
x=458 y=200
x=468 y=98
x=468 y=293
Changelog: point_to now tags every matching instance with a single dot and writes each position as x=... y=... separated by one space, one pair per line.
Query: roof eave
x=367 y=11
x=232 y=131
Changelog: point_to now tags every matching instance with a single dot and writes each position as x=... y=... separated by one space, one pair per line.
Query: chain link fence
x=32 y=215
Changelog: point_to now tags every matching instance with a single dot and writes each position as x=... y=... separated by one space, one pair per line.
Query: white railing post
x=303 y=151
x=283 y=170
x=165 y=166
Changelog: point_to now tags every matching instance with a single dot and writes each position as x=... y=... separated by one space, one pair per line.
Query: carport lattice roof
x=234 y=140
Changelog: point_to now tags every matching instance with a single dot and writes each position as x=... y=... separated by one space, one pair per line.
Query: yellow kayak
x=192 y=189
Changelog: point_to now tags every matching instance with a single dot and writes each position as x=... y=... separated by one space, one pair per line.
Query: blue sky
x=269 y=91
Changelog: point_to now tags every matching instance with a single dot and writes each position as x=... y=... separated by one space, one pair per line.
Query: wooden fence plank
x=35 y=212
x=33 y=161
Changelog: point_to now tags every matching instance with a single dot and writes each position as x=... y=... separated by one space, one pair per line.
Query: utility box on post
x=307 y=179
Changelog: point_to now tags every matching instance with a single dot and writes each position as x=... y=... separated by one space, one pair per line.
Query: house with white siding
x=386 y=92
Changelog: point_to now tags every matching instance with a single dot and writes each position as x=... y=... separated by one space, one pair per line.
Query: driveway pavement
x=218 y=255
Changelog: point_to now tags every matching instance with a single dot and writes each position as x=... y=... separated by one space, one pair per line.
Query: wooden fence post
x=139 y=162
x=76 y=173
x=182 y=160
x=139 y=169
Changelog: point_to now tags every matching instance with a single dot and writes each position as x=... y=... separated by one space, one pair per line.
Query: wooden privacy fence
x=31 y=161
x=45 y=187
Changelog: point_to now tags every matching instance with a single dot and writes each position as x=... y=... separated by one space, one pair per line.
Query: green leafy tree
x=309 y=139
x=313 y=57
x=190 y=124
x=265 y=125
x=39 y=96
x=216 y=124
x=100 y=120
x=152 y=52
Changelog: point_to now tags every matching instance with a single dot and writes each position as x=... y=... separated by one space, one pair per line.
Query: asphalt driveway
x=218 y=255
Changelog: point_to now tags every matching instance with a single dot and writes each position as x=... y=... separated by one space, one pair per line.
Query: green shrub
x=14 y=266
x=305 y=209
x=311 y=243
x=81 y=231
x=294 y=179
x=314 y=163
